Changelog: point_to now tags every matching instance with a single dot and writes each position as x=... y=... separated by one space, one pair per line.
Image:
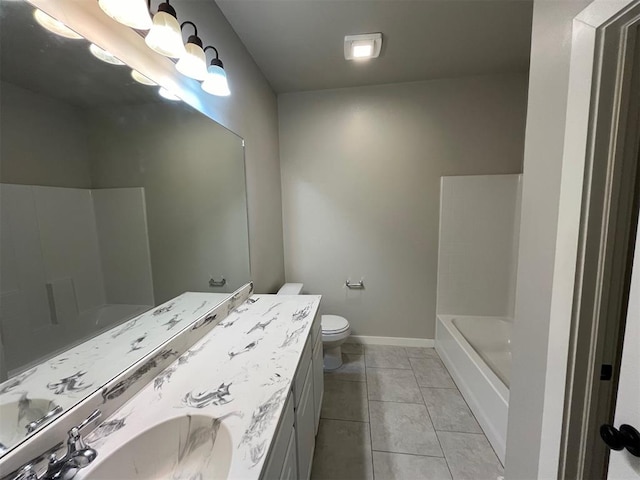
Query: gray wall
x=361 y=172
x=252 y=112
x=43 y=140
x=192 y=171
x=544 y=143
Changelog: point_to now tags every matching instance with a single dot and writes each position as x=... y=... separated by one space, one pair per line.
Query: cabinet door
x=290 y=467
x=277 y=456
x=305 y=427
x=318 y=381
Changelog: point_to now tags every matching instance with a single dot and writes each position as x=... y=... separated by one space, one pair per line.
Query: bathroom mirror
x=113 y=201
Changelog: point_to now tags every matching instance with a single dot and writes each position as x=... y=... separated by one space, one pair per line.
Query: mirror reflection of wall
x=113 y=199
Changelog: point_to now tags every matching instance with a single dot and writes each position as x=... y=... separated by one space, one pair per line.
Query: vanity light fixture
x=54 y=26
x=132 y=13
x=362 y=47
x=140 y=78
x=193 y=63
x=163 y=92
x=165 y=36
x=103 y=55
x=216 y=81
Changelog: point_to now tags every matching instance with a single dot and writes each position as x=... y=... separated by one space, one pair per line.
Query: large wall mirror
x=113 y=200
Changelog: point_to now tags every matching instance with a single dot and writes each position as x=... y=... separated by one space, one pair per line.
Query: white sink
x=14 y=417
x=189 y=447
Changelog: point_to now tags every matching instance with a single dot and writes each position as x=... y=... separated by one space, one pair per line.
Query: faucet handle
x=75 y=442
x=94 y=416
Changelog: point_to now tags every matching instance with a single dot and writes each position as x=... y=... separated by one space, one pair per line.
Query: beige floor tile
x=343 y=451
x=449 y=411
x=391 y=385
x=396 y=466
x=469 y=456
x=403 y=428
x=345 y=400
x=430 y=372
x=421 y=352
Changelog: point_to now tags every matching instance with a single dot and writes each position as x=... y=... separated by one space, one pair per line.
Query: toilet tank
x=291 y=289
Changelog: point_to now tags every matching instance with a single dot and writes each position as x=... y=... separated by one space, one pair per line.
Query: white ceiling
x=298 y=44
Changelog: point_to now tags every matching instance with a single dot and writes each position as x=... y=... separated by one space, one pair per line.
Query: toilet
x=335 y=330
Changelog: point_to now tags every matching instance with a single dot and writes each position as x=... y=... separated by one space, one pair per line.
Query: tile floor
x=394 y=413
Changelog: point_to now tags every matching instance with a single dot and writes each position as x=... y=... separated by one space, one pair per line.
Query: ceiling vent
x=362 y=47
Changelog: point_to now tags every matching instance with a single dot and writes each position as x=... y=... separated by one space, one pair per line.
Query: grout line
x=412 y=454
x=459 y=431
x=388 y=368
x=401 y=403
x=444 y=455
x=344 y=420
x=366 y=383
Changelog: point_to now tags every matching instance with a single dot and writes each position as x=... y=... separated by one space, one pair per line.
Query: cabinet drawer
x=301 y=373
x=305 y=427
x=278 y=454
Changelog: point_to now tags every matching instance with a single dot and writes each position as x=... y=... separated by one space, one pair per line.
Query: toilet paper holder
x=355 y=286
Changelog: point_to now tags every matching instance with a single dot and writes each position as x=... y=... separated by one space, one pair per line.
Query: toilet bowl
x=335 y=330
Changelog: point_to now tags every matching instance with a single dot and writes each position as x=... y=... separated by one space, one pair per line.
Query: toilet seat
x=334 y=325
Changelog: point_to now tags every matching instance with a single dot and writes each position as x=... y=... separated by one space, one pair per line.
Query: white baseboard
x=398 y=341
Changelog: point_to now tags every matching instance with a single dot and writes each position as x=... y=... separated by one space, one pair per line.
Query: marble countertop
x=239 y=375
x=70 y=376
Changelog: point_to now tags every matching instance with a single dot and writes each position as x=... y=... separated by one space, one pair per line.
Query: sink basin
x=14 y=417
x=189 y=447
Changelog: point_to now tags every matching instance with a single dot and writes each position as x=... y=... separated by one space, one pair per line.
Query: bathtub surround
x=477 y=258
x=360 y=172
x=479 y=226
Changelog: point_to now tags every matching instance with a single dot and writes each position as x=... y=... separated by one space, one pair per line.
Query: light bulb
x=132 y=13
x=216 y=81
x=193 y=63
x=104 y=55
x=140 y=78
x=163 y=92
x=165 y=36
x=53 y=25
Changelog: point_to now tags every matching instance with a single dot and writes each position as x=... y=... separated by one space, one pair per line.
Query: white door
x=623 y=465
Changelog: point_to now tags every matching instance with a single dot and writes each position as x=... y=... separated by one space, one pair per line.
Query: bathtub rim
x=482 y=389
x=486 y=371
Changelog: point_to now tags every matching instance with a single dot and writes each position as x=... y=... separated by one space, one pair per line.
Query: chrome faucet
x=78 y=456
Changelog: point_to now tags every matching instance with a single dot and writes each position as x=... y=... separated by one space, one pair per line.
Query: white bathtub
x=477 y=353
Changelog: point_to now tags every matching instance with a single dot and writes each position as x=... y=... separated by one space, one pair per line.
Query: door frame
x=599 y=196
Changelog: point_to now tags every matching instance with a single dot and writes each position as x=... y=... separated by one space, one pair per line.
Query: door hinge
x=606 y=372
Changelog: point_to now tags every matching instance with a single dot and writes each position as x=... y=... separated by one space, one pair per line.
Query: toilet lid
x=334 y=324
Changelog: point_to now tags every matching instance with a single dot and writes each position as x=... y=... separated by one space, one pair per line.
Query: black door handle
x=625 y=437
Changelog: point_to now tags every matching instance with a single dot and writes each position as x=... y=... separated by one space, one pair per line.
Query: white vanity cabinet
x=291 y=455
x=283 y=455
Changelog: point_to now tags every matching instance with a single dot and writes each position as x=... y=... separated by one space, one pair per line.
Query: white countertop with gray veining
x=238 y=375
